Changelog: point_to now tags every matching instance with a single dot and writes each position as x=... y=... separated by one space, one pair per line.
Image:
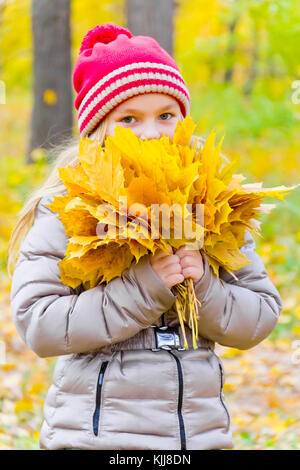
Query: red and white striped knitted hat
x=113 y=66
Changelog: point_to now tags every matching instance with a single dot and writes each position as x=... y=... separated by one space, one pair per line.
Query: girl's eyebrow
x=137 y=111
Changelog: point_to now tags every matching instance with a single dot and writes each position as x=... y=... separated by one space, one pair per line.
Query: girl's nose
x=150 y=134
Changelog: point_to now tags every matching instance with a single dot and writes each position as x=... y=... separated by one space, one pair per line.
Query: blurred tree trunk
x=230 y=50
x=52 y=109
x=152 y=18
x=254 y=68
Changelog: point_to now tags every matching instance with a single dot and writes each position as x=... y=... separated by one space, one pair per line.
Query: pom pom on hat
x=104 y=33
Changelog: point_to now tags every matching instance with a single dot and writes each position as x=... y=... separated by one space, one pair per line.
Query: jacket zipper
x=179 y=407
x=96 y=416
x=221 y=390
x=221 y=398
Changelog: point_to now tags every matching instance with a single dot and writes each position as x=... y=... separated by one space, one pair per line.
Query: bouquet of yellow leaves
x=116 y=195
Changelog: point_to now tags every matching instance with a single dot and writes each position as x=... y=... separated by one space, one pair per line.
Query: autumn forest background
x=240 y=59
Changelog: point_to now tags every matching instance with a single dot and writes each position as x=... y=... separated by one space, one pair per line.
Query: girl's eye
x=165 y=114
x=127 y=119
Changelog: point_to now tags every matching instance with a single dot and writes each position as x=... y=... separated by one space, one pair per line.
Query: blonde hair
x=67 y=154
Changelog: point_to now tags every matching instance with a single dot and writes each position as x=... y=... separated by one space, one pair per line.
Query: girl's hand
x=191 y=263
x=167 y=267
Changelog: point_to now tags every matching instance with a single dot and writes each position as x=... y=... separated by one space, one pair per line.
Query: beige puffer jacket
x=114 y=386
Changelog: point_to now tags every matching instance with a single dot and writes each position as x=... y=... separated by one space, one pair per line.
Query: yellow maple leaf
x=25 y=404
x=50 y=97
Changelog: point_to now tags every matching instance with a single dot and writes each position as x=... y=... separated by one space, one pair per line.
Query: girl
x=122 y=379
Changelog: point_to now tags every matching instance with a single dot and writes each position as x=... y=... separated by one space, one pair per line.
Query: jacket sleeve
x=238 y=313
x=54 y=319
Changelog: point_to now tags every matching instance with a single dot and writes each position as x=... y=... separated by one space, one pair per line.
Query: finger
x=173 y=259
x=190 y=261
x=194 y=273
x=175 y=279
x=183 y=251
x=173 y=268
x=190 y=272
x=189 y=251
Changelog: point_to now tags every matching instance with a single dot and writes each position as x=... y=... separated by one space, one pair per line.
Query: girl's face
x=149 y=116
